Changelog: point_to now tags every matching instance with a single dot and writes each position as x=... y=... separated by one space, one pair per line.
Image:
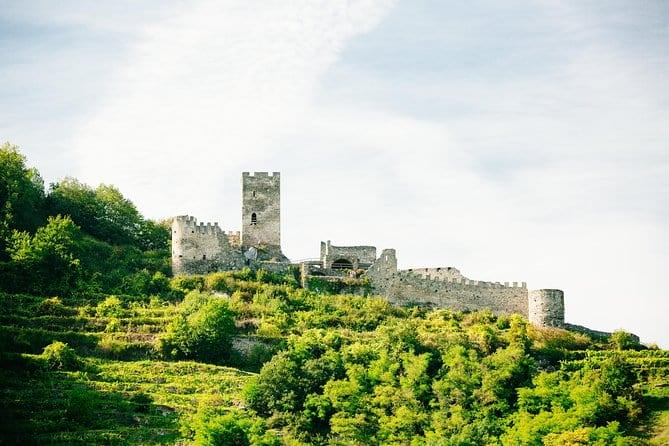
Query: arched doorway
x=342 y=264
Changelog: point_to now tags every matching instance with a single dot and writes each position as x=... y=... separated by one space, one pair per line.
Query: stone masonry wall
x=458 y=294
x=546 y=308
x=359 y=256
x=201 y=248
x=455 y=293
x=443 y=273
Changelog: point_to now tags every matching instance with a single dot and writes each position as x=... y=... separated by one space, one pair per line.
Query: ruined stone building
x=202 y=248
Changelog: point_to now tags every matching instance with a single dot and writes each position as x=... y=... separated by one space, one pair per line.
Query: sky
x=516 y=141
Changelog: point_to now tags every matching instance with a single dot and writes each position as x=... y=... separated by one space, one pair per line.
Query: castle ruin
x=203 y=248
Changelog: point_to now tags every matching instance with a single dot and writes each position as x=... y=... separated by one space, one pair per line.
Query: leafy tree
x=21 y=195
x=106 y=214
x=223 y=430
x=48 y=261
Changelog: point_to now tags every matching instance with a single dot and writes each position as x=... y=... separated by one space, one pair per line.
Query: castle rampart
x=446 y=287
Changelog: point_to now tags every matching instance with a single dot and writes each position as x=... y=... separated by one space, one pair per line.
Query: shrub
x=223 y=430
x=621 y=340
x=54 y=307
x=59 y=356
x=187 y=283
x=221 y=281
x=202 y=331
x=110 y=307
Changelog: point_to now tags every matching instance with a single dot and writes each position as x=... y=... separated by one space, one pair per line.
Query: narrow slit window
x=254 y=219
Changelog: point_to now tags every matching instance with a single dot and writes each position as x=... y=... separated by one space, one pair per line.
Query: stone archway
x=342 y=264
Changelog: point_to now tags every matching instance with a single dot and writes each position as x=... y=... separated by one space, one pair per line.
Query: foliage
x=202 y=330
x=105 y=214
x=47 y=261
x=110 y=307
x=21 y=195
x=53 y=306
x=621 y=340
x=60 y=356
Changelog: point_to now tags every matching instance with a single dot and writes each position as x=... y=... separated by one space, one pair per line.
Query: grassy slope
x=121 y=395
x=107 y=400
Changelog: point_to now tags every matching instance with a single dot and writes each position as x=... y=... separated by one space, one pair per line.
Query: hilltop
x=101 y=345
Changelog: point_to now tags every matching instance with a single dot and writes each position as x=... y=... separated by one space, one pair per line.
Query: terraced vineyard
x=112 y=384
x=118 y=393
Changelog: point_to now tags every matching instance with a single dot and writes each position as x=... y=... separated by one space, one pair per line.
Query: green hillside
x=99 y=345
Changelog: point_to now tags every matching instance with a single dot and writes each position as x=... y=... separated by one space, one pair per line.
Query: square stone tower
x=261 y=211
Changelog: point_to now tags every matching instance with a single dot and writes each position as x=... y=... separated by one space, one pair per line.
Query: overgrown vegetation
x=99 y=345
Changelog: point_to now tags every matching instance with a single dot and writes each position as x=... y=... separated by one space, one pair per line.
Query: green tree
x=21 y=195
x=106 y=214
x=47 y=262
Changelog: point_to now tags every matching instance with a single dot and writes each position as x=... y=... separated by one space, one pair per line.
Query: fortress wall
x=452 y=292
x=201 y=248
x=443 y=273
x=234 y=238
x=382 y=271
x=458 y=294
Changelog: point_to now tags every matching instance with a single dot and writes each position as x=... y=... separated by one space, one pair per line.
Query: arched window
x=254 y=219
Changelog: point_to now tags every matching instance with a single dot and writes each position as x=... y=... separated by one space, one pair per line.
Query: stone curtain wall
x=454 y=293
x=443 y=273
x=261 y=194
x=458 y=294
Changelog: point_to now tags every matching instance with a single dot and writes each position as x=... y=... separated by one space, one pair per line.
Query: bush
x=59 y=356
x=54 y=307
x=110 y=307
x=223 y=430
x=187 y=283
x=202 y=331
x=621 y=340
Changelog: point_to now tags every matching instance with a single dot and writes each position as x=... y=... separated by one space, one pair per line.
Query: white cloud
x=207 y=91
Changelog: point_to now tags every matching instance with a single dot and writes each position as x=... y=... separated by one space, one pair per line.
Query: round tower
x=182 y=227
x=546 y=308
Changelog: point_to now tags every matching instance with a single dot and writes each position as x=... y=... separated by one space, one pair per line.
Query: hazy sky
x=516 y=140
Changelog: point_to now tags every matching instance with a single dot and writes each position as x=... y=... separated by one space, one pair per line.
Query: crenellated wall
x=447 y=288
x=201 y=248
x=443 y=273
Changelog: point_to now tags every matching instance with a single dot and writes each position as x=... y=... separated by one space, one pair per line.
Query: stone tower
x=546 y=308
x=261 y=213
